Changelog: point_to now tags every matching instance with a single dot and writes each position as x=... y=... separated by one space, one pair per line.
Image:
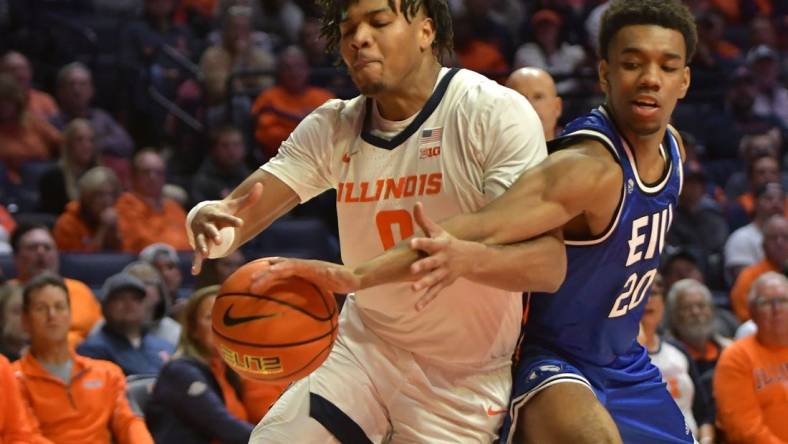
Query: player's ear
x=603 y=69
x=685 y=82
x=426 y=33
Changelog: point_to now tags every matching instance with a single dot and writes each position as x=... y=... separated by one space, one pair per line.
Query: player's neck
x=410 y=94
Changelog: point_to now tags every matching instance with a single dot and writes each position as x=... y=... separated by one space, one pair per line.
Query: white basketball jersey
x=674 y=366
x=467 y=145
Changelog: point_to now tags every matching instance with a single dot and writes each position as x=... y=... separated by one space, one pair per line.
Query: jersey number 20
x=634 y=292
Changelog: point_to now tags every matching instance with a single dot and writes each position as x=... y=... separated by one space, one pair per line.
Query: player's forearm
x=391 y=266
x=535 y=265
x=277 y=199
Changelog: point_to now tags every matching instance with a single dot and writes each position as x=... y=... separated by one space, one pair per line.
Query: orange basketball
x=279 y=336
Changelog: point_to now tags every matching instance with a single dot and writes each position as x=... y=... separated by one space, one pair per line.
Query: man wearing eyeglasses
x=751 y=380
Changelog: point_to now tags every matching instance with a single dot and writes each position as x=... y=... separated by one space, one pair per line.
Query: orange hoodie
x=15 y=426
x=751 y=389
x=91 y=409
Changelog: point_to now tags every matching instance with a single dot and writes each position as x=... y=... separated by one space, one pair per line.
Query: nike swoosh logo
x=492 y=412
x=230 y=321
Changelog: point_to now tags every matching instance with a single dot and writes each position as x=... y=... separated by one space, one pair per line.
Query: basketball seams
x=283 y=345
x=278 y=301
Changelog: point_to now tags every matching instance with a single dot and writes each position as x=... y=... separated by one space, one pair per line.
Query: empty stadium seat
x=308 y=237
x=93 y=268
x=138 y=391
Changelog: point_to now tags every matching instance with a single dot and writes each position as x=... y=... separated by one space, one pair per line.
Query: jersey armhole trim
x=424 y=114
x=608 y=144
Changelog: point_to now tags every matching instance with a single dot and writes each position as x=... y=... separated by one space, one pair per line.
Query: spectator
x=7 y=226
x=73 y=399
x=234 y=53
x=215 y=271
x=23 y=137
x=745 y=245
x=282 y=18
x=681 y=265
x=749 y=383
x=75 y=94
x=775 y=247
x=699 y=223
x=159 y=306
x=34 y=253
x=223 y=169
x=165 y=260
x=90 y=224
x=39 y=103
x=145 y=216
x=723 y=130
x=549 y=51
x=123 y=339
x=280 y=108
x=677 y=368
x=714 y=53
x=58 y=186
x=13 y=338
x=772 y=98
x=691 y=320
x=197 y=398
x=158 y=53
x=15 y=425
x=537 y=86
x=751 y=148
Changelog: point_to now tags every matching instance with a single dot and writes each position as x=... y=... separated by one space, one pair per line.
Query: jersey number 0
x=387 y=220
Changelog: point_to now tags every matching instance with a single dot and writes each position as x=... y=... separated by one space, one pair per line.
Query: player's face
x=644 y=77
x=379 y=46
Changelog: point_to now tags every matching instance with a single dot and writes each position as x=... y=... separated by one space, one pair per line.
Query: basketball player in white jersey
x=419 y=132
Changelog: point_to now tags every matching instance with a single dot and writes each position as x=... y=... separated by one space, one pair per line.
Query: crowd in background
x=116 y=116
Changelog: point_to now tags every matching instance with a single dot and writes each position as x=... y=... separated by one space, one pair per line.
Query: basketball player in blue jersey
x=610 y=186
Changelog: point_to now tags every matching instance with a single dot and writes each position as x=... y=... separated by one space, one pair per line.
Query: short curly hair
x=671 y=14
x=437 y=10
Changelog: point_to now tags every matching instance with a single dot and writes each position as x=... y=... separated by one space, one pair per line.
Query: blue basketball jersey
x=594 y=315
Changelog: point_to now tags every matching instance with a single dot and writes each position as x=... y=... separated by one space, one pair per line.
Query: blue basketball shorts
x=631 y=389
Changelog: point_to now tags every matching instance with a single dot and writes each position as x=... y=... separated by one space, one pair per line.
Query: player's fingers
x=425 y=223
x=428 y=297
x=213 y=233
x=227 y=220
x=428 y=263
x=429 y=245
x=247 y=200
x=266 y=278
x=200 y=244
x=197 y=263
x=430 y=279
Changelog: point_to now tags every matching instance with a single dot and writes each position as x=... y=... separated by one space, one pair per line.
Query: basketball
x=279 y=336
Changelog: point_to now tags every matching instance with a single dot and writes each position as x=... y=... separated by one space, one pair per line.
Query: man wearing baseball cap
x=123 y=339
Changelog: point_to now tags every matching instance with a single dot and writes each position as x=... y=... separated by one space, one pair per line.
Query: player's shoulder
x=472 y=87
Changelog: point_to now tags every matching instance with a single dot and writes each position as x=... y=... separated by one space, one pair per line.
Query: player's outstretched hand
x=213 y=217
x=326 y=275
x=448 y=258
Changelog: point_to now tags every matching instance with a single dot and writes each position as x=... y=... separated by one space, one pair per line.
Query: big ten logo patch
x=426 y=153
x=264 y=365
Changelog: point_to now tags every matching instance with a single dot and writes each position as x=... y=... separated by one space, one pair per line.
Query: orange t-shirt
x=15 y=427
x=279 y=112
x=33 y=139
x=751 y=390
x=92 y=408
x=483 y=57
x=6 y=221
x=41 y=104
x=71 y=233
x=140 y=225
x=742 y=286
x=85 y=310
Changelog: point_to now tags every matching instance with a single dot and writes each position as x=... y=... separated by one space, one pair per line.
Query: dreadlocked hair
x=437 y=10
x=671 y=14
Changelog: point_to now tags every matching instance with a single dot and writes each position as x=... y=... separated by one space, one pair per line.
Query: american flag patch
x=431 y=136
